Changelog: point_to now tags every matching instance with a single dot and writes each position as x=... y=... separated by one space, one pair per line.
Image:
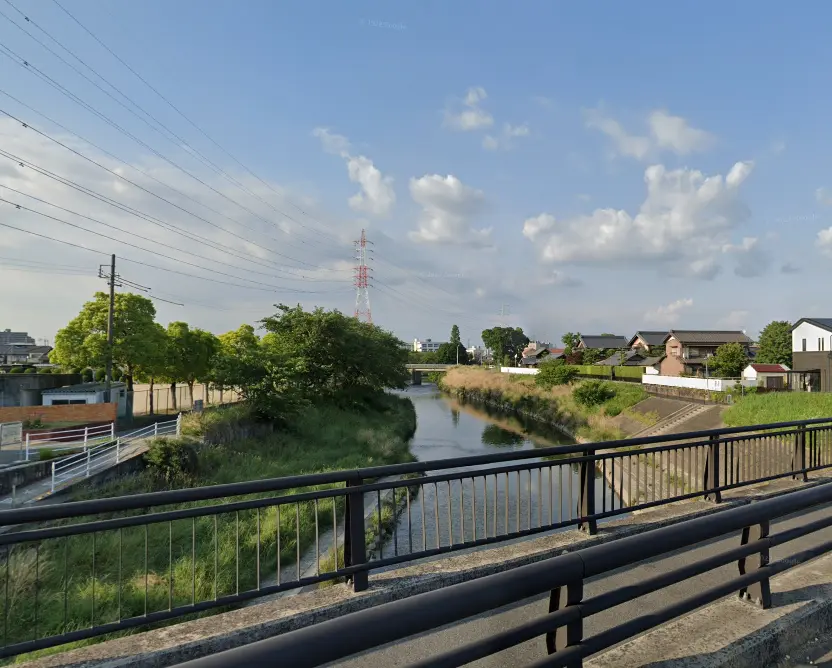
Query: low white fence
x=68 y=439
x=711 y=384
x=111 y=453
x=526 y=371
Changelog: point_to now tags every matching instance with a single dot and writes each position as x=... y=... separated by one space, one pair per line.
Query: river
x=447 y=428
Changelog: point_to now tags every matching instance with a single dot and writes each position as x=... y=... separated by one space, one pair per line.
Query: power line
x=176 y=109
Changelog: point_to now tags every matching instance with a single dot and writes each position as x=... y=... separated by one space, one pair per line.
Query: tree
x=728 y=361
x=454 y=340
x=83 y=342
x=505 y=342
x=776 y=343
x=452 y=352
x=242 y=340
x=570 y=341
x=554 y=372
x=190 y=356
x=152 y=367
x=592 y=355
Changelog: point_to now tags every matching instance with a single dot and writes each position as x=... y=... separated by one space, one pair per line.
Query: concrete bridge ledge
x=188 y=640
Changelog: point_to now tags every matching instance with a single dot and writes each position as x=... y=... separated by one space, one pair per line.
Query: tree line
x=302 y=357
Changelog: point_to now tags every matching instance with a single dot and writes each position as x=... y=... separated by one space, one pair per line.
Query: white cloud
x=684 y=223
x=448 y=209
x=377 y=196
x=504 y=140
x=824 y=241
x=735 y=320
x=823 y=196
x=473 y=117
x=667 y=315
x=665 y=132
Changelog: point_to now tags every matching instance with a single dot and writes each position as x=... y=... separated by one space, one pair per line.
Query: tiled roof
x=825 y=323
x=706 y=336
x=650 y=338
x=769 y=368
x=598 y=341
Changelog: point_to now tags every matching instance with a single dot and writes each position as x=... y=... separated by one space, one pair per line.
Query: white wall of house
x=119 y=394
x=712 y=384
x=817 y=338
x=526 y=371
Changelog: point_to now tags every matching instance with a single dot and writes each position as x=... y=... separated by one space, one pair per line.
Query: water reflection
x=482 y=505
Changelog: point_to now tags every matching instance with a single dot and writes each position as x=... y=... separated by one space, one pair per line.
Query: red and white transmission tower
x=362 y=283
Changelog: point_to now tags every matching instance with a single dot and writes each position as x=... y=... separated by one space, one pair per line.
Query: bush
x=593 y=393
x=16 y=369
x=45 y=369
x=100 y=375
x=87 y=376
x=36 y=423
x=31 y=369
x=118 y=374
x=555 y=373
x=171 y=459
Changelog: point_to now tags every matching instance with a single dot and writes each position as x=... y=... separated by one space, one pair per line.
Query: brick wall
x=67 y=413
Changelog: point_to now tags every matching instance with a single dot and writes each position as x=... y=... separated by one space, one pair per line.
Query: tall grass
x=72 y=583
x=778 y=407
x=555 y=404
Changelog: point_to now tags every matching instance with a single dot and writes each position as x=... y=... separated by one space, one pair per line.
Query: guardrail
x=69 y=439
x=270 y=536
x=563 y=577
x=94 y=459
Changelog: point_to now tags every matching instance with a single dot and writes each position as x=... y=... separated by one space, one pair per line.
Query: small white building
x=771 y=376
x=87 y=393
x=426 y=345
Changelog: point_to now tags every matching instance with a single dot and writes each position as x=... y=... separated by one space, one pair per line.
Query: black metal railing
x=561 y=631
x=142 y=559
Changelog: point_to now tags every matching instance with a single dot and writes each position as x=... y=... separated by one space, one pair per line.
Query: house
x=87 y=393
x=534 y=354
x=14 y=354
x=648 y=341
x=601 y=342
x=770 y=376
x=687 y=351
x=811 y=355
x=426 y=346
x=8 y=337
x=650 y=363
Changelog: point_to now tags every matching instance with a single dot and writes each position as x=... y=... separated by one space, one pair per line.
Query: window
x=820 y=344
x=804 y=345
x=64 y=402
x=674 y=352
x=693 y=352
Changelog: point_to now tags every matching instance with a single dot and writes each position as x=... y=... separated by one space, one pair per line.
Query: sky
x=557 y=166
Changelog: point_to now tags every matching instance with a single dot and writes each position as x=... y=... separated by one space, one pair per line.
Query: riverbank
x=778 y=407
x=555 y=406
x=186 y=561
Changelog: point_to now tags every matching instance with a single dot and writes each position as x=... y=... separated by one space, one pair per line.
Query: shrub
x=171 y=458
x=593 y=393
x=46 y=453
x=16 y=369
x=86 y=376
x=45 y=369
x=31 y=369
x=35 y=423
x=100 y=375
x=554 y=373
x=118 y=374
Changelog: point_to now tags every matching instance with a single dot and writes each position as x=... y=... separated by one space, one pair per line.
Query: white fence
x=712 y=384
x=68 y=439
x=526 y=371
x=110 y=453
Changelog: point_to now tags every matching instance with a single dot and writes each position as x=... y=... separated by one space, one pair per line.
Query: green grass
x=322 y=439
x=778 y=407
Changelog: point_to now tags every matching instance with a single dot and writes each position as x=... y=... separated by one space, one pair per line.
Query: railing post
x=112 y=429
x=572 y=633
x=799 y=457
x=86 y=436
x=88 y=463
x=355 y=541
x=586 y=504
x=118 y=449
x=53 y=478
x=711 y=482
x=155 y=429
x=179 y=424
x=758 y=593
x=27 y=447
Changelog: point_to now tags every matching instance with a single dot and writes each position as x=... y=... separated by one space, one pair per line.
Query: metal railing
x=110 y=453
x=563 y=578
x=163 y=401
x=67 y=439
x=117 y=569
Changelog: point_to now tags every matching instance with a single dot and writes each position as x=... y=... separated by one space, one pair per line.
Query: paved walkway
x=481 y=628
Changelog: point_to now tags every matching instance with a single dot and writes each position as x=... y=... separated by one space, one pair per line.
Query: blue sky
x=501 y=155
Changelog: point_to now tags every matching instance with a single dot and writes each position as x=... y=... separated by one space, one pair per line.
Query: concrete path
x=483 y=627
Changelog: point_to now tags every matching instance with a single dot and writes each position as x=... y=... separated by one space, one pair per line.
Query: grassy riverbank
x=202 y=559
x=778 y=407
x=555 y=406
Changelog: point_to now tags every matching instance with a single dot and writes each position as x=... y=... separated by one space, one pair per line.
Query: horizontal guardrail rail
x=68 y=439
x=150 y=557
x=562 y=577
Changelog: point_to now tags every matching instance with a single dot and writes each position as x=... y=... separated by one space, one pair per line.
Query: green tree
x=592 y=355
x=190 y=355
x=776 y=343
x=554 y=372
x=505 y=342
x=454 y=340
x=728 y=361
x=239 y=341
x=570 y=341
x=83 y=342
x=152 y=367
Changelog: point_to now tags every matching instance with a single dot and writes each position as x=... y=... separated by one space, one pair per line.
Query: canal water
x=482 y=505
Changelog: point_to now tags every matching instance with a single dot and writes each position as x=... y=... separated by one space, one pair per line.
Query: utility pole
x=110 y=325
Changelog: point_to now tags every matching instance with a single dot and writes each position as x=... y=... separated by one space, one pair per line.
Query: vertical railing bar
x=93 y=581
x=494 y=519
x=424 y=520
x=508 y=486
x=335 y=532
x=193 y=560
x=450 y=516
x=216 y=556
x=379 y=545
x=8 y=552
x=539 y=496
x=317 y=544
x=629 y=477
x=145 y=570
x=519 y=500
x=462 y=508
x=560 y=492
x=66 y=579
x=474 y=506
x=277 y=540
x=529 y=499
x=551 y=498
x=170 y=565
x=37 y=585
x=120 y=557
x=612 y=477
x=620 y=483
x=237 y=550
x=653 y=466
x=436 y=512
x=409 y=523
x=297 y=539
x=604 y=487
x=571 y=493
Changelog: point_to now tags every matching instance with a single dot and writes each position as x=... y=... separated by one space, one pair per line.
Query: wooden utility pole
x=110 y=326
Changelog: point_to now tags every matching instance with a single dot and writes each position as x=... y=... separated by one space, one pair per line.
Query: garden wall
x=101 y=413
